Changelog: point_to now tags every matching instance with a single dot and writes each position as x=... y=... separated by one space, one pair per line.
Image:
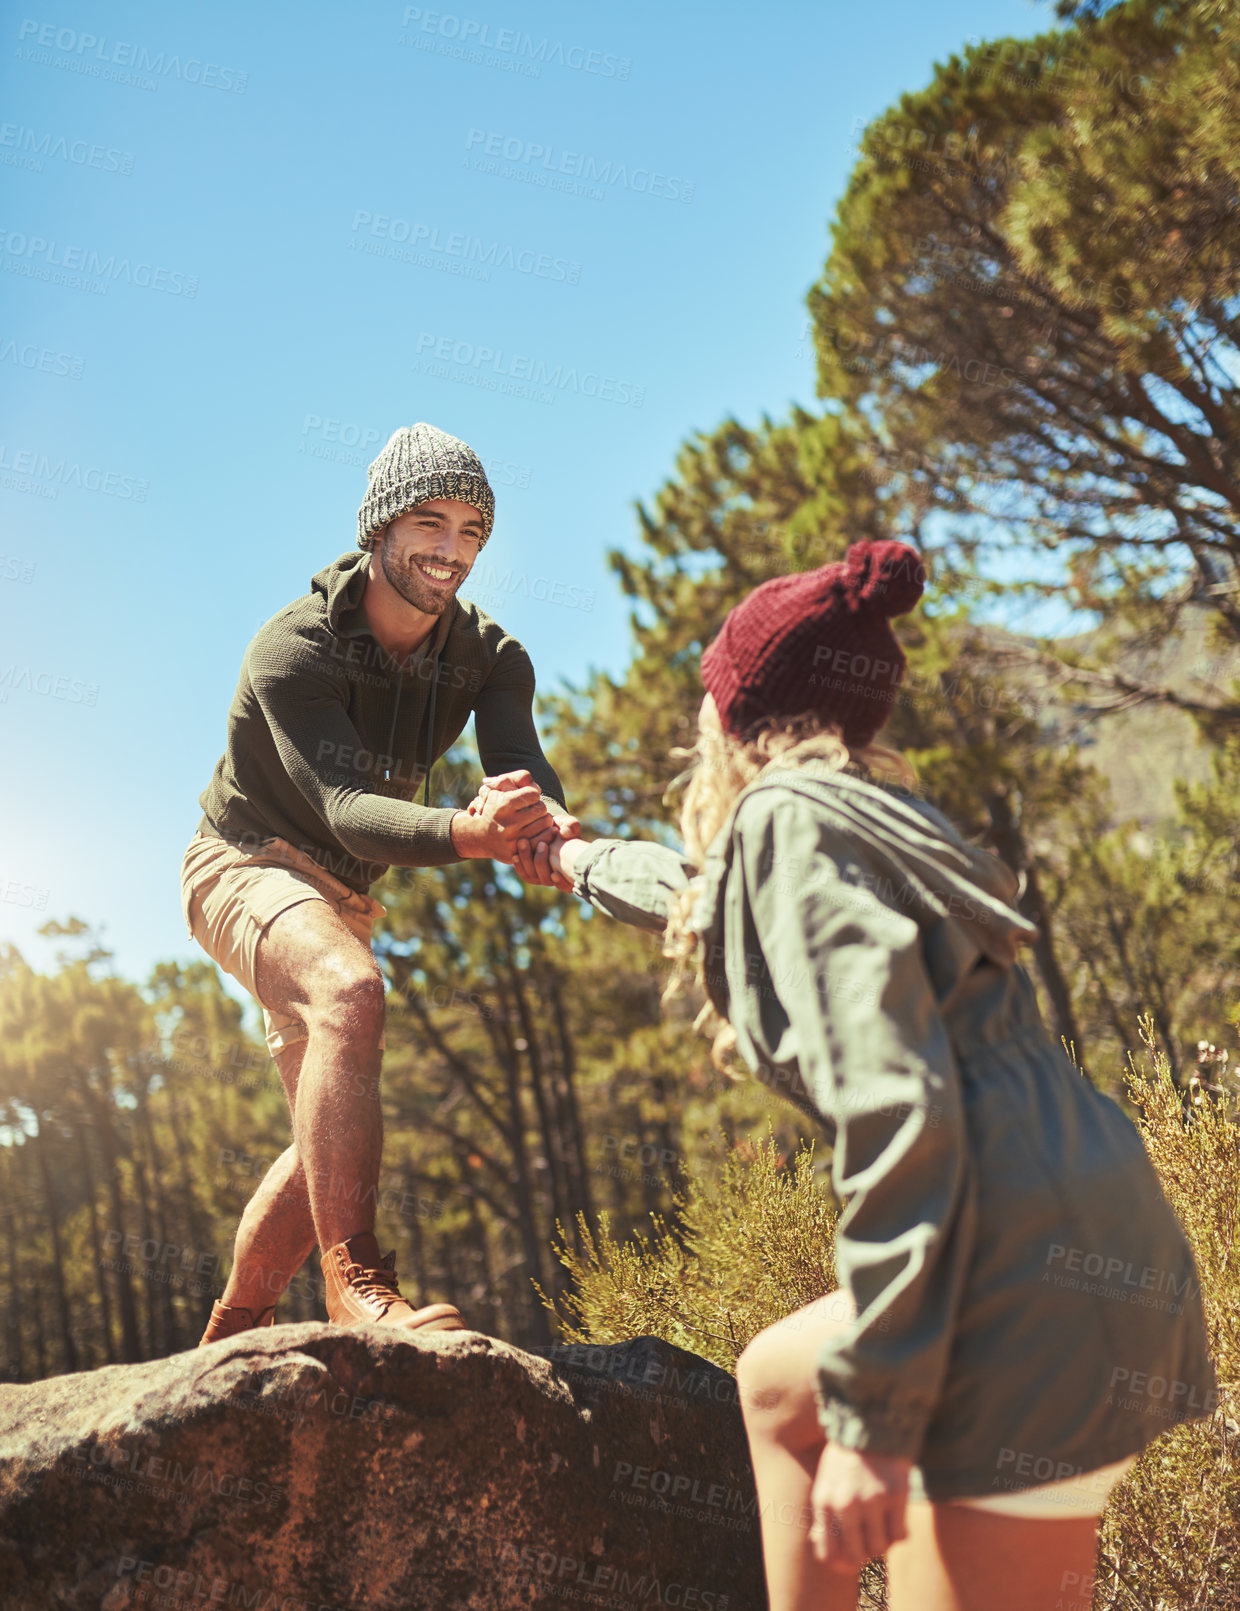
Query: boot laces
x=380 y=1283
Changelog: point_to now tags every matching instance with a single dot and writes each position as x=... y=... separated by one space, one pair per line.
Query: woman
x=1018 y=1314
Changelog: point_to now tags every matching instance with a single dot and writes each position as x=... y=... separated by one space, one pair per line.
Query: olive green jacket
x=866 y=957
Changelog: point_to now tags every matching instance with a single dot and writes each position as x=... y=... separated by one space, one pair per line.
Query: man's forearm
x=399 y=832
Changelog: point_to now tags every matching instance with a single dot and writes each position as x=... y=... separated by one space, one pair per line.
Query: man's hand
x=858 y=1502
x=501 y=817
x=532 y=854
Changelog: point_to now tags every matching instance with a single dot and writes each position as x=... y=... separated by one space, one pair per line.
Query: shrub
x=742 y=1250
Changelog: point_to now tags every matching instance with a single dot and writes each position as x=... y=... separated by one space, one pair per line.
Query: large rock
x=314 y=1468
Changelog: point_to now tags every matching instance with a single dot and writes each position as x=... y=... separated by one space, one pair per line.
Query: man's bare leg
x=276 y=1234
x=312 y=967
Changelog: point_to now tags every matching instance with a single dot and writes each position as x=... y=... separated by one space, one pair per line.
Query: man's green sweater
x=329 y=739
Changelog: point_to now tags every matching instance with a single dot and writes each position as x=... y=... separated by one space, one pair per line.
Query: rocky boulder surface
x=317 y=1468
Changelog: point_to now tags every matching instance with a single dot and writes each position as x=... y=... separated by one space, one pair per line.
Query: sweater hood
x=340 y=585
x=943 y=879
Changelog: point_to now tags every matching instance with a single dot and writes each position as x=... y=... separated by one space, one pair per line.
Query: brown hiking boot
x=227 y=1319
x=361 y=1288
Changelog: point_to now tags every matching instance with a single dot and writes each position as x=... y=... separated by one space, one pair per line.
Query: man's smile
x=434 y=572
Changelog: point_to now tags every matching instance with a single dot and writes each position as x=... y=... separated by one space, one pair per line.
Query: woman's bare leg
x=959 y=1559
x=775 y=1377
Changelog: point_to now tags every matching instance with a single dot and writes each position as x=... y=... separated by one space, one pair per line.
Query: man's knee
x=346 y=999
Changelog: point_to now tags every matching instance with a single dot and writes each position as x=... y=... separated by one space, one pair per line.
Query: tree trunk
x=68 y=1346
x=15 y=1360
x=552 y=1151
x=153 y=1271
x=669 y=1154
x=100 y=1108
x=484 y=1290
x=167 y=1307
x=582 y=1197
x=200 y=1233
x=531 y=1241
x=416 y=1272
x=33 y=1274
x=101 y=1282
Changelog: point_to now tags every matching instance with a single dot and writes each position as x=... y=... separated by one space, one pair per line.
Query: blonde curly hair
x=720 y=767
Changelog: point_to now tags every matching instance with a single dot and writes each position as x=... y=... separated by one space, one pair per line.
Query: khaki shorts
x=231 y=896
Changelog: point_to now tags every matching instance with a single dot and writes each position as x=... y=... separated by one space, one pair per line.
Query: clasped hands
x=508 y=821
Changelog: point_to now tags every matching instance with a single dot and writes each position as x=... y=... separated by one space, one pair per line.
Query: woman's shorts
x=230 y=897
x=1068 y=1500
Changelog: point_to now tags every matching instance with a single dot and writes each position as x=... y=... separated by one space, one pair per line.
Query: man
x=346 y=699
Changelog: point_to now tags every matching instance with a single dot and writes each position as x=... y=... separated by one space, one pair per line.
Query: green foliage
x=1029 y=320
x=748 y=1243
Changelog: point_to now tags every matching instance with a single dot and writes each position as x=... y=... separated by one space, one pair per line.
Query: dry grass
x=1171 y=1535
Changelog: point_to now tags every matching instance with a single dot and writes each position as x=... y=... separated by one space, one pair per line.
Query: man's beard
x=413 y=586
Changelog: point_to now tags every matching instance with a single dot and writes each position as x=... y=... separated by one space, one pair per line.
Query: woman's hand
x=858 y=1503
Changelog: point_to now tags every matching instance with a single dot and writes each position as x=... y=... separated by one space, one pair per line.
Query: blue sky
x=241 y=245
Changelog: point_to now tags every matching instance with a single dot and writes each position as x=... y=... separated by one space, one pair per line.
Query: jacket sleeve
x=309 y=724
x=504 y=725
x=848 y=997
x=633 y=880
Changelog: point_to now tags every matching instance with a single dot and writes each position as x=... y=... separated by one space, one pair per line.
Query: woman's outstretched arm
x=633 y=880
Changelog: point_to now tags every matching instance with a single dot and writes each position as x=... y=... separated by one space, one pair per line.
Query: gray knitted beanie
x=420 y=463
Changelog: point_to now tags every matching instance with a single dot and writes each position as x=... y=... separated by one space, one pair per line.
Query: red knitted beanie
x=818 y=641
